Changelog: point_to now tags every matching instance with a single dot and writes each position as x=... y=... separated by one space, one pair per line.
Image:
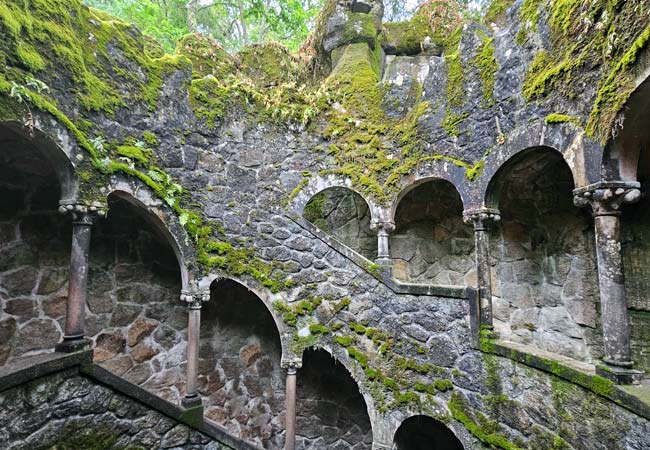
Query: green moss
x=344 y=341
x=406 y=398
x=561 y=118
x=487 y=66
x=206 y=55
x=316 y=328
x=141 y=155
x=529 y=16
x=358 y=328
x=443 y=385
x=342 y=304
x=485 y=431
x=405 y=38
x=150 y=138
x=29 y=57
x=357 y=355
x=496 y=10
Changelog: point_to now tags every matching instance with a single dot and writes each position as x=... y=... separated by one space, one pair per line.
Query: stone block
x=140 y=329
x=37 y=334
x=108 y=345
x=23 y=308
x=20 y=281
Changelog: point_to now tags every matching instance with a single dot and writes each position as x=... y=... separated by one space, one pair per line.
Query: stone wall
x=431 y=244
x=67 y=411
x=346 y=216
x=545 y=285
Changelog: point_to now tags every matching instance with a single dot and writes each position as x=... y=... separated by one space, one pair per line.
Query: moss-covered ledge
x=633 y=398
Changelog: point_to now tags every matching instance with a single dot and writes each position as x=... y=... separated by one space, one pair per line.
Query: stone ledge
x=27 y=369
x=398 y=287
x=633 y=398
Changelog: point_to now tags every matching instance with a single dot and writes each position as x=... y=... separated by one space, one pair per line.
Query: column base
x=192 y=410
x=72 y=345
x=384 y=262
x=619 y=375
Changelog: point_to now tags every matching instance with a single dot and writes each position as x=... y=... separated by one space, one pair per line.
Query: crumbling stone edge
x=594 y=383
x=29 y=369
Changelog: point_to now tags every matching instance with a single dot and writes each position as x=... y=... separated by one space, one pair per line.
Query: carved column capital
x=292 y=365
x=481 y=218
x=83 y=214
x=383 y=226
x=607 y=197
x=195 y=299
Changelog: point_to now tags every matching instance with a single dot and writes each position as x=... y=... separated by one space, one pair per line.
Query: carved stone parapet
x=83 y=214
x=606 y=198
x=481 y=217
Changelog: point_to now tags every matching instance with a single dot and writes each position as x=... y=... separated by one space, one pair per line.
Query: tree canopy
x=235 y=23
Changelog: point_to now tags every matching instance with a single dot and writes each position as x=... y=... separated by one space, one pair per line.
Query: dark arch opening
x=425 y=433
x=331 y=411
x=239 y=369
x=345 y=215
x=545 y=285
x=34 y=248
x=431 y=244
x=134 y=314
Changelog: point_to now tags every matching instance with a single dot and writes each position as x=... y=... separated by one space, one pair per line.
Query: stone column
x=290 y=406
x=605 y=200
x=383 y=229
x=194 y=300
x=482 y=219
x=82 y=222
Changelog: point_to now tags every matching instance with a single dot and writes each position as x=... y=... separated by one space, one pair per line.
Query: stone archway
x=543 y=254
x=34 y=242
x=344 y=214
x=431 y=244
x=331 y=412
x=425 y=433
x=240 y=377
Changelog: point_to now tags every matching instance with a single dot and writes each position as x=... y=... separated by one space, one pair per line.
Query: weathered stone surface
x=108 y=345
x=37 y=335
x=139 y=330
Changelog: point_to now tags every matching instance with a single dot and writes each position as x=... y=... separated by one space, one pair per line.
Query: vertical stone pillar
x=383 y=229
x=194 y=300
x=482 y=219
x=82 y=222
x=290 y=406
x=605 y=200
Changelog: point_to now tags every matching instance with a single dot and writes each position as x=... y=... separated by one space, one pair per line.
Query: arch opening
x=431 y=244
x=240 y=375
x=331 y=411
x=134 y=316
x=543 y=256
x=425 y=433
x=34 y=248
x=635 y=240
x=344 y=214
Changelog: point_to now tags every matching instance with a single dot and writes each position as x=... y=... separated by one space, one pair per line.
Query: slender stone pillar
x=605 y=199
x=82 y=221
x=482 y=219
x=192 y=399
x=290 y=406
x=383 y=229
